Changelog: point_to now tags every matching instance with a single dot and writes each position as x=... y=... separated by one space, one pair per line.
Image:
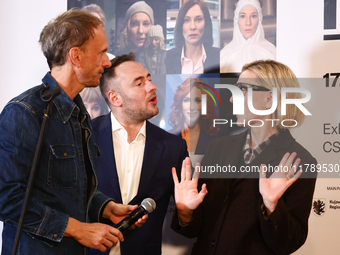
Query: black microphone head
x=148 y=204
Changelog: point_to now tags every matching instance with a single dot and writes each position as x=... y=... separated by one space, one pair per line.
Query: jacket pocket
x=62 y=168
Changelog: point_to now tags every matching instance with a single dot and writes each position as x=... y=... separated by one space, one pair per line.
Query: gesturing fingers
x=287 y=158
x=292 y=174
x=183 y=170
x=291 y=169
x=263 y=171
x=187 y=169
x=174 y=176
x=196 y=174
x=203 y=191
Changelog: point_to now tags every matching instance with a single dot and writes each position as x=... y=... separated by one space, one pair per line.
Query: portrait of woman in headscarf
x=248 y=43
x=138 y=20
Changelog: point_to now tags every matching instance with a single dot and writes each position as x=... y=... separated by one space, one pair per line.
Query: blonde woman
x=251 y=212
x=138 y=21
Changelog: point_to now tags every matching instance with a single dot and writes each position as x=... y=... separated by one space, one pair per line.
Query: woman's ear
x=269 y=99
x=114 y=98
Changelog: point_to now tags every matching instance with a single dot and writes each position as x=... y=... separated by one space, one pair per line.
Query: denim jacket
x=60 y=189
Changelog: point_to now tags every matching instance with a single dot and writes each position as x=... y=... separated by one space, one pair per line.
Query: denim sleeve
x=19 y=132
x=97 y=205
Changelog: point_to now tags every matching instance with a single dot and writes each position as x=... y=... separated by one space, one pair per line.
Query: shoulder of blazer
x=286 y=140
x=160 y=133
x=101 y=122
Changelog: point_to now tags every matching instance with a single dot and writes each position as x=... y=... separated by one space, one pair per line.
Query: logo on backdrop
x=319 y=206
x=238 y=103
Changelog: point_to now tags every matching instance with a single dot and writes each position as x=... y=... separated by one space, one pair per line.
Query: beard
x=138 y=112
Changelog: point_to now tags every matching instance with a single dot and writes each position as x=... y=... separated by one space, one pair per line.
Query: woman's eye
x=186 y=20
x=134 y=24
x=197 y=100
x=186 y=100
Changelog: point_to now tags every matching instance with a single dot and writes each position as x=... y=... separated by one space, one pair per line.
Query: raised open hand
x=274 y=187
x=187 y=196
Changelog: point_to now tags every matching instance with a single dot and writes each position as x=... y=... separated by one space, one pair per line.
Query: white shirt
x=188 y=64
x=129 y=160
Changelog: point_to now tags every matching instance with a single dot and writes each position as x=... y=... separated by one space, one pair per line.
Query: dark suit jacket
x=162 y=152
x=211 y=64
x=230 y=220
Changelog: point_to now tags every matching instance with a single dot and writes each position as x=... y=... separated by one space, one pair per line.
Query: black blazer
x=162 y=152
x=230 y=221
x=211 y=64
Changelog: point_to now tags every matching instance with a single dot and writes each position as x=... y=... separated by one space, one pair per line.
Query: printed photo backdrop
x=306 y=35
x=280 y=34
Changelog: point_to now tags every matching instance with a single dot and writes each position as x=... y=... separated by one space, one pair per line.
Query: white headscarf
x=241 y=50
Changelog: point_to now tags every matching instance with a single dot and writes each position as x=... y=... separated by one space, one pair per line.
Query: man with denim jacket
x=64 y=196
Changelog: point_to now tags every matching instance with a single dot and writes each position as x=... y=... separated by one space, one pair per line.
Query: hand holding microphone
x=103 y=237
x=148 y=205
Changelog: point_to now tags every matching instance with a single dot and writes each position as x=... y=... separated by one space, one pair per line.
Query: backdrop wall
x=22 y=63
x=300 y=44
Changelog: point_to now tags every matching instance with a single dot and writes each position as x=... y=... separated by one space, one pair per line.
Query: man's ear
x=75 y=56
x=114 y=98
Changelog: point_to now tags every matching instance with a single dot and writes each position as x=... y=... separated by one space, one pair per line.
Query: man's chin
x=153 y=113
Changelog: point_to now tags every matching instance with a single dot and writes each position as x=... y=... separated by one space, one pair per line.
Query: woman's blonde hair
x=149 y=39
x=272 y=74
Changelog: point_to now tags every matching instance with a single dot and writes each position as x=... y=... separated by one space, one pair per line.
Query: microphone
x=147 y=206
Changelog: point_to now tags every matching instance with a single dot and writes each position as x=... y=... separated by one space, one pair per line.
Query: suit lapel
x=152 y=154
x=105 y=142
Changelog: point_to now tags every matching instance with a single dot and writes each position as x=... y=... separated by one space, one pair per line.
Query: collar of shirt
x=251 y=153
x=188 y=65
x=116 y=126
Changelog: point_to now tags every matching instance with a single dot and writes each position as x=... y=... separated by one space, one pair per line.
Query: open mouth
x=153 y=100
